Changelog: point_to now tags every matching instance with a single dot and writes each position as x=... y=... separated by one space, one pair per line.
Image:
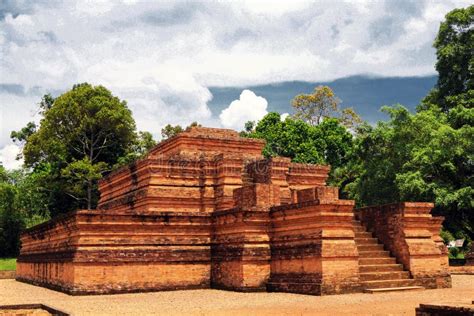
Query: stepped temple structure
x=205 y=209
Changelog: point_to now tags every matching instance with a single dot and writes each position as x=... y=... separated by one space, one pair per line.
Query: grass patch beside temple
x=7 y=264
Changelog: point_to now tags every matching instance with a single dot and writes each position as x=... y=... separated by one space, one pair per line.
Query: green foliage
x=322 y=104
x=80 y=176
x=419 y=157
x=169 y=131
x=10 y=223
x=7 y=264
x=22 y=135
x=83 y=133
x=455 y=53
x=22 y=204
x=446 y=236
x=326 y=143
x=453 y=252
x=172 y=130
x=144 y=142
x=428 y=156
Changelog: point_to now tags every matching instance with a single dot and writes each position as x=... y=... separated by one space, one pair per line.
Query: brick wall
x=313 y=249
x=101 y=252
x=240 y=242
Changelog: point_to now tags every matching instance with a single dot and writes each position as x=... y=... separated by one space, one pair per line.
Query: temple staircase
x=378 y=270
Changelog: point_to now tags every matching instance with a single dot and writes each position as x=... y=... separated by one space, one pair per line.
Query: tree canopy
x=455 y=55
x=419 y=157
x=83 y=133
x=171 y=130
x=326 y=143
x=23 y=203
x=321 y=104
x=429 y=155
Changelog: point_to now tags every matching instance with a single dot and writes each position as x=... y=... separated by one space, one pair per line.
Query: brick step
x=377 y=284
x=390 y=275
x=394 y=289
x=363 y=234
x=369 y=247
x=381 y=260
x=302 y=288
x=374 y=253
x=380 y=268
x=366 y=241
x=295 y=278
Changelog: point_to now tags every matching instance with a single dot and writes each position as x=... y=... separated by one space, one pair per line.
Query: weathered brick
x=205 y=209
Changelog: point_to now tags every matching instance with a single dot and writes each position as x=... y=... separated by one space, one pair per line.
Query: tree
x=171 y=130
x=143 y=143
x=80 y=176
x=455 y=53
x=248 y=129
x=22 y=204
x=322 y=104
x=46 y=103
x=419 y=157
x=20 y=137
x=83 y=133
x=10 y=223
x=326 y=143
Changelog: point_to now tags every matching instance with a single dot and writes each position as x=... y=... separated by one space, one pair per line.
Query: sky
x=166 y=58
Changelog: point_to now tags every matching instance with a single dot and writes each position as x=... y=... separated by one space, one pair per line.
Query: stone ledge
x=462 y=270
x=29 y=309
x=80 y=292
x=444 y=310
x=7 y=274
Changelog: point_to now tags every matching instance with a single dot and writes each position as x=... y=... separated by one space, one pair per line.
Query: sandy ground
x=215 y=302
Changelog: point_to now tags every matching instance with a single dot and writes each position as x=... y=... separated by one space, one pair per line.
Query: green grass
x=7 y=264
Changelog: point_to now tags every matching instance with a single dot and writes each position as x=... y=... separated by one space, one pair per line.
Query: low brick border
x=50 y=310
x=461 y=270
x=444 y=310
x=7 y=274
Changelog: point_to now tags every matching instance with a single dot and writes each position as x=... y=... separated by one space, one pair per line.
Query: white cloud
x=163 y=57
x=8 y=156
x=284 y=116
x=249 y=107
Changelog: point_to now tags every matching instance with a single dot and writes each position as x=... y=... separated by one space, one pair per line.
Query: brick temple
x=205 y=209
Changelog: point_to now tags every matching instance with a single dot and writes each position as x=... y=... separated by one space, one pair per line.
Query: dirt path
x=215 y=302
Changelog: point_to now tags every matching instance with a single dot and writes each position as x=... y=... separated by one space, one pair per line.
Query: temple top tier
x=208 y=141
x=198 y=171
